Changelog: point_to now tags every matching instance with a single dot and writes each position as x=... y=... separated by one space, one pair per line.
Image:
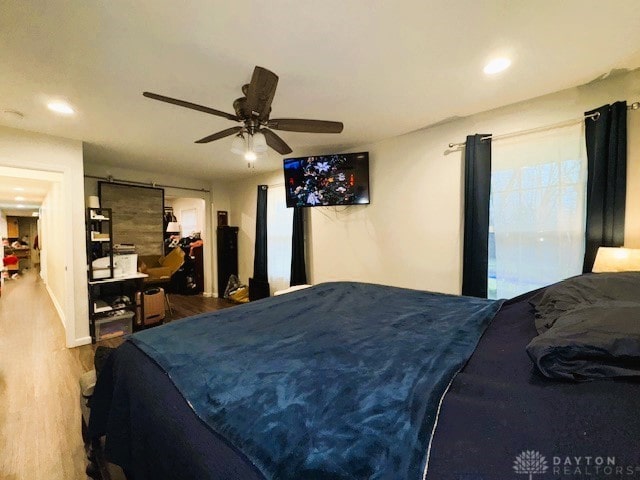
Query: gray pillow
x=590 y=342
x=581 y=291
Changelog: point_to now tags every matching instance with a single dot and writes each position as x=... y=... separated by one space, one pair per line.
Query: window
x=189 y=221
x=279 y=230
x=537 y=210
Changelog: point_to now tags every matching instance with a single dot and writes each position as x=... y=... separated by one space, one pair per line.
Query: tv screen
x=325 y=180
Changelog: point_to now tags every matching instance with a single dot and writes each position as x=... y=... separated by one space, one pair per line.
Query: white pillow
x=291 y=289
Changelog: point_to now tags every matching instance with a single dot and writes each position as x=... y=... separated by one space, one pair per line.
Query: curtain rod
x=110 y=179
x=593 y=116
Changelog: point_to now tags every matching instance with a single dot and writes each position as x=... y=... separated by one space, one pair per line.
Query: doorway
x=185 y=226
x=36 y=226
x=20 y=203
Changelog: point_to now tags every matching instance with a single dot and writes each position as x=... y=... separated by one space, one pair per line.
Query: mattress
x=157 y=427
x=499 y=419
x=340 y=381
x=499 y=410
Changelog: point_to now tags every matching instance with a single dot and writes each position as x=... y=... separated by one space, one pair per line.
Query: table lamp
x=616 y=259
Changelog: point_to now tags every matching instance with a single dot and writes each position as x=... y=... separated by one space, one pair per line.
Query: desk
x=135 y=276
x=107 y=320
x=22 y=254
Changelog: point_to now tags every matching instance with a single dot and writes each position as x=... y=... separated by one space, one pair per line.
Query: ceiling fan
x=252 y=110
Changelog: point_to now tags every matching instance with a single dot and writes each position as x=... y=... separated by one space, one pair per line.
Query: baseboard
x=78 y=342
x=209 y=294
x=57 y=306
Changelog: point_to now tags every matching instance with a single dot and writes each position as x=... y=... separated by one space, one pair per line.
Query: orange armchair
x=160 y=269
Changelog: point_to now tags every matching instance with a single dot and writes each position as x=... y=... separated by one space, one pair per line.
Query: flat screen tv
x=325 y=180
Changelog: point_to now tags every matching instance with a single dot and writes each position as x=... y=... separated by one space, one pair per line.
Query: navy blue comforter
x=342 y=380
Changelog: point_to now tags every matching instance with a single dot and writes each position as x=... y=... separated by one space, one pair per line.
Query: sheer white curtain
x=537 y=210
x=279 y=231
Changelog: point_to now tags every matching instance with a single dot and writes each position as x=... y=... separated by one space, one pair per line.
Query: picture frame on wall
x=223 y=218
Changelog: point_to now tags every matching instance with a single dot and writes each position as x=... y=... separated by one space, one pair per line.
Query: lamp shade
x=613 y=259
x=238 y=146
x=173 y=227
x=93 y=202
x=259 y=142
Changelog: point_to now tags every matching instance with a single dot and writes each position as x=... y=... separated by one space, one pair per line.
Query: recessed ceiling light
x=496 y=65
x=19 y=206
x=19 y=199
x=61 y=107
x=18 y=189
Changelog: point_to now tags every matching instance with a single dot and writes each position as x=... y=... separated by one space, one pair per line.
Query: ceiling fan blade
x=219 y=135
x=300 y=125
x=261 y=91
x=193 y=106
x=275 y=142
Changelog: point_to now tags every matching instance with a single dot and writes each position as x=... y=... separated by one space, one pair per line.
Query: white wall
x=52 y=209
x=58 y=160
x=3 y=225
x=411 y=233
x=632 y=218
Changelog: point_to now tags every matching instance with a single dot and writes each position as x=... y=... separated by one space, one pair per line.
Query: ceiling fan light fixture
x=259 y=142
x=238 y=146
x=250 y=156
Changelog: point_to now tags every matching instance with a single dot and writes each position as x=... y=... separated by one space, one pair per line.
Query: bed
x=416 y=385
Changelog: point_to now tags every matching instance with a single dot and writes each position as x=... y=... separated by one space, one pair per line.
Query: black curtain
x=258 y=285
x=298 y=268
x=606 y=138
x=477 y=187
x=260 y=253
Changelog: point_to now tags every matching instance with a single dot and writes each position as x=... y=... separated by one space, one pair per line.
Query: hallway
x=40 y=434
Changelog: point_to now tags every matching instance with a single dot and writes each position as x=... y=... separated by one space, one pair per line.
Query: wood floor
x=40 y=435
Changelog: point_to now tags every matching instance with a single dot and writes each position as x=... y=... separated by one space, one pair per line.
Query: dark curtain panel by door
x=260 y=253
x=258 y=285
x=477 y=187
x=298 y=267
x=606 y=139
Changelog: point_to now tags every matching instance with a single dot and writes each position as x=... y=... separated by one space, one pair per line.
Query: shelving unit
x=99 y=244
x=110 y=314
x=112 y=306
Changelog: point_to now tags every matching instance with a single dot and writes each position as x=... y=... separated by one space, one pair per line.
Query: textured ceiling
x=383 y=68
